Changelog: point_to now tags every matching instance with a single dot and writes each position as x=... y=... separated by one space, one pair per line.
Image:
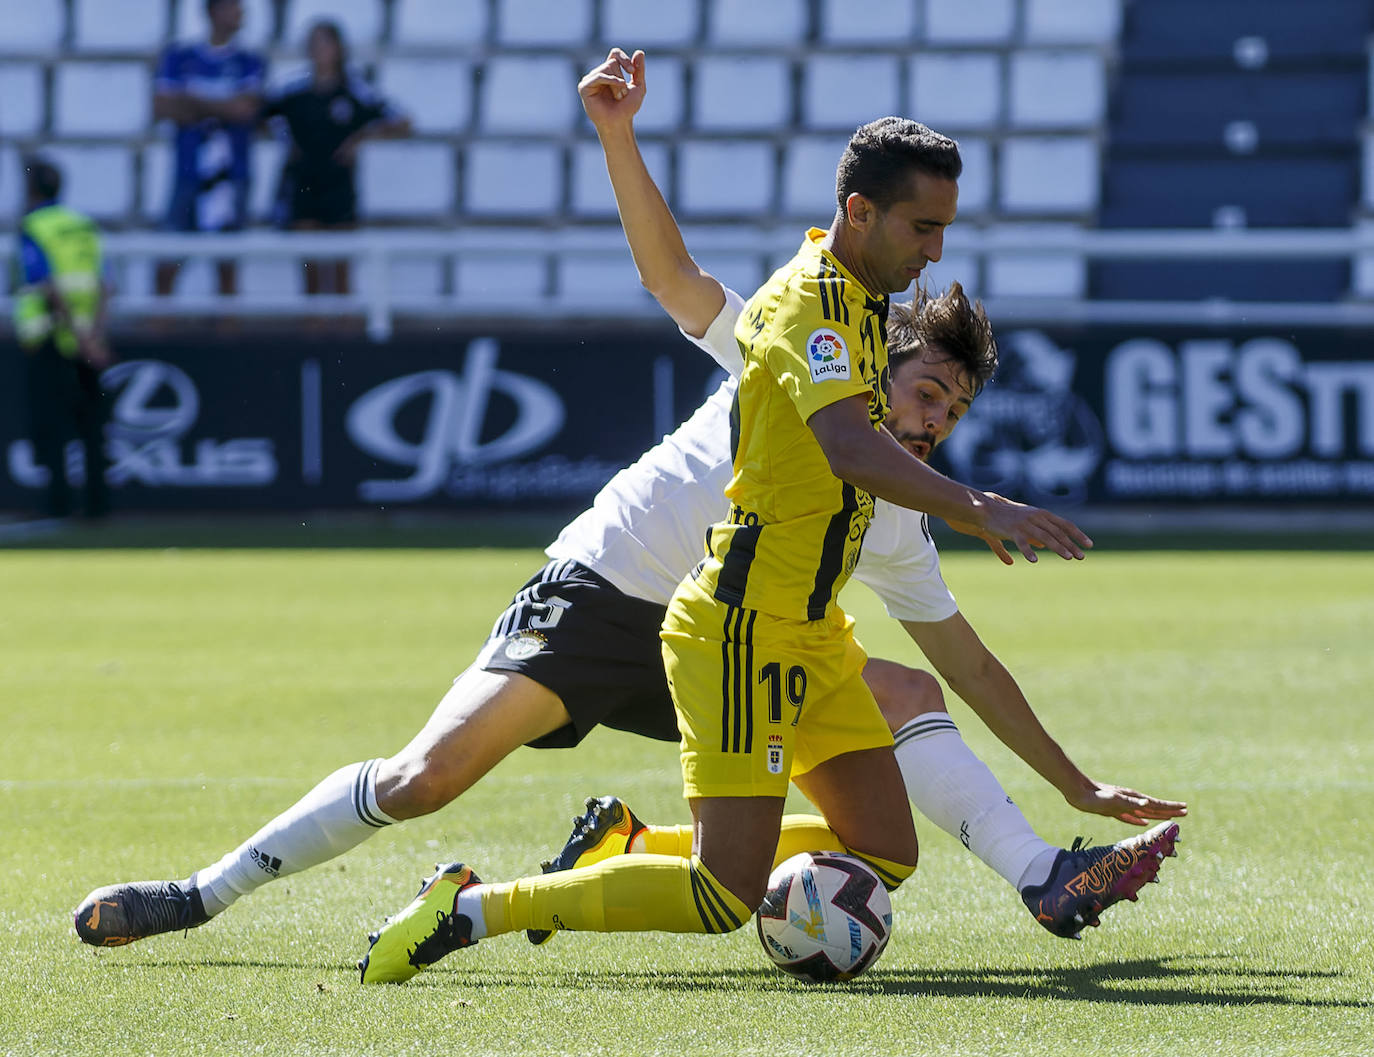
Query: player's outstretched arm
x=872 y=460
x=612 y=94
x=983 y=682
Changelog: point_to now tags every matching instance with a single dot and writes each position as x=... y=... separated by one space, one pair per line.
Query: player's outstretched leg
x=428 y=928
x=1086 y=881
x=118 y=914
x=607 y=828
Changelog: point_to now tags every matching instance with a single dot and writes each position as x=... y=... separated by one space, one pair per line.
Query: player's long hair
x=946 y=326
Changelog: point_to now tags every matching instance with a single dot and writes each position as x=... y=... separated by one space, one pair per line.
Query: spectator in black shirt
x=327 y=114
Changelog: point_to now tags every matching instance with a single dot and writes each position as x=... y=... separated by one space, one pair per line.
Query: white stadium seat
x=975 y=185
x=118 y=25
x=875 y=22
x=1072 y=21
x=1064 y=89
x=95 y=180
x=275 y=278
x=528 y=94
x=741 y=272
x=446 y=24
x=1049 y=174
x=155 y=183
x=259 y=22
x=1368 y=198
x=843 y=92
x=591 y=188
x=961 y=22
x=414 y=279
x=594 y=280
x=1362 y=282
x=31 y=28
x=1044 y=274
x=771 y=23
x=405 y=179
x=543 y=23
x=650 y=25
x=11 y=183
x=361 y=21
x=732 y=94
x=436 y=94
x=21 y=98
x=267 y=160
x=499 y=280
x=105 y=99
x=663 y=106
x=808 y=177
x=951 y=267
x=518 y=180
x=956 y=91
x=725 y=178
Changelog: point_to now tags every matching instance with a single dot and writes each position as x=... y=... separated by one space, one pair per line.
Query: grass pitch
x=159 y=705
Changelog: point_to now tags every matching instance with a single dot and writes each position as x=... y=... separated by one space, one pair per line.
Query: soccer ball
x=826 y=917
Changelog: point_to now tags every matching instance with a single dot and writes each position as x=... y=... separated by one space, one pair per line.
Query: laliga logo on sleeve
x=828 y=355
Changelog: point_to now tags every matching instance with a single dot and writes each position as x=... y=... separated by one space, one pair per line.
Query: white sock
x=954 y=789
x=338 y=814
x=469 y=902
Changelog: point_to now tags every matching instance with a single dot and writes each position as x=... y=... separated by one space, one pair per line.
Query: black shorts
x=594 y=646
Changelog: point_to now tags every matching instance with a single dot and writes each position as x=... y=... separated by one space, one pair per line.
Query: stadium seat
x=975 y=185
x=1072 y=21
x=528 y=94
x=1188 y=192
x=11 y=183
x=500 y=280
x=436 y=94
x=733 y=94
x=953 y=266
x=439 y=24
x=771 y=23
x=98 y=180
x=882 y=22
x=1362 y=282
x=118 y=25
x=741 y=272
x=268 y=157
x=650 y=25
x=870 y=90
x=414 y=279
x=361 y=21
x=1280 y=279
x=31 y=28
x=273 y=278
x=960 y=22
x=956 y=91
x=155 y=183
x=1036 y=274
x=21 y=98
x=259 y=22
x=590 y=194
x=718 y=178
x=664 y=104
x=1048 y=174
x=1057 y=89
x=1169 y=32
x=596 y=280
x=808 y=177
x=1302 y=108
x=1368 y=155
x=515 y=180
x=543 y=23
x=405 y=179
x=104 y=99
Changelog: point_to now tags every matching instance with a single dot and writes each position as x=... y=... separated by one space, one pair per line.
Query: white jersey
x=647 y=527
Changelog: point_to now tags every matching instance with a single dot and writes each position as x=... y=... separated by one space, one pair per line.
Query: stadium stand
x=1072 y=115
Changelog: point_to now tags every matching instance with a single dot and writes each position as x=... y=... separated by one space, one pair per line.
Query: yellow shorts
x=760 y=698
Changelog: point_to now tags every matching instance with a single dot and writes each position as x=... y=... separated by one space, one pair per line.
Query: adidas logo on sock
x=269 y=863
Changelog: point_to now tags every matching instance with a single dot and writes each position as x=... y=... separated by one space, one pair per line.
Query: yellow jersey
x=811 y=336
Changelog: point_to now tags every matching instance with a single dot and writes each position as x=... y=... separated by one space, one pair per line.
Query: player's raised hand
x=1127 y=805
x=614 y=91
x=1027 y=527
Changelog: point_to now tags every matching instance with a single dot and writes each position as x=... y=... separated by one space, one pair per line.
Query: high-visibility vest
x=71 y=243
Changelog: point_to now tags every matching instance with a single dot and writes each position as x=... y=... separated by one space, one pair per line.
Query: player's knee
x=409 y=788
x=904 y=693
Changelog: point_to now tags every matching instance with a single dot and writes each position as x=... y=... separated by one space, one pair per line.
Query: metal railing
x=376 y=301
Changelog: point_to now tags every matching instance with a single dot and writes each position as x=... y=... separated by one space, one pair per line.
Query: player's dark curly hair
x=880 y=156
x=947 y=326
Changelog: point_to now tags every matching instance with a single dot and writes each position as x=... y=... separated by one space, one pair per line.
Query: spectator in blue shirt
x=212 y=92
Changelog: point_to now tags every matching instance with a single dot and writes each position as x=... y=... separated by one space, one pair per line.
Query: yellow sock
x=626 y=893
x=890 y=873
x=665 y=840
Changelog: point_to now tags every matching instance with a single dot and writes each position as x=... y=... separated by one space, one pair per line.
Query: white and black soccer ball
x=826 y=917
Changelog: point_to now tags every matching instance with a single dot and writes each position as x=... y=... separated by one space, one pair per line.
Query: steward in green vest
x=59 y=319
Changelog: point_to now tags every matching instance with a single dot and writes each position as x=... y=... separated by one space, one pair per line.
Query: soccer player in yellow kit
x=765 y=674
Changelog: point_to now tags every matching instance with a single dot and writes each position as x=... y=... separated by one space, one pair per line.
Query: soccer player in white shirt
x=579 y=644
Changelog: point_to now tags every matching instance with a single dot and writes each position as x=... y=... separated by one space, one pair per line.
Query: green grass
x=159 y=705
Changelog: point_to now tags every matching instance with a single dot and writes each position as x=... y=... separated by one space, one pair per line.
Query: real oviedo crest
x=827 y=355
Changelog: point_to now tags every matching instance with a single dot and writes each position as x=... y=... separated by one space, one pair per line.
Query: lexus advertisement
x=532 y=418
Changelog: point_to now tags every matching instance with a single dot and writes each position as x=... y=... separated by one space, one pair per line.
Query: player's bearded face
x=929 y=396
x=910 y=233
